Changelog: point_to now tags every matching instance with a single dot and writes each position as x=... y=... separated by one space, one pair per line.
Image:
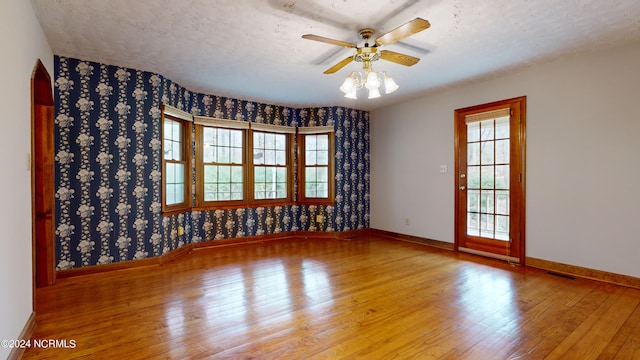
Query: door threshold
x=506 y=258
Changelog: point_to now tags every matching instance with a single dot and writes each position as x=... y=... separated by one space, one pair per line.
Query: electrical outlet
x=319 y=218
x=180 y=230
x=406 y=221
x=443 y=169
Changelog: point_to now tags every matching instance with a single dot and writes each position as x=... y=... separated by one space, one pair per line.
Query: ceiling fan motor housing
x=366 y=54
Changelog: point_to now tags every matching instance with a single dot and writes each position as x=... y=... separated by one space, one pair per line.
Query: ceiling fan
x=369 y=53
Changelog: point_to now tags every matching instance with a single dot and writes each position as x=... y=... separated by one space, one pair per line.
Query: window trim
x=185 y=119
x=200 y=124
x=274 y=129
x=301 y=137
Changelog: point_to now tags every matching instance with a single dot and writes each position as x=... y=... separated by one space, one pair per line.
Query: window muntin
x=271 y=168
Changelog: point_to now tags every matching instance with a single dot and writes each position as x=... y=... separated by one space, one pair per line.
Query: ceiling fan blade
x=328 y=41
x=339 y=65
x=414 y=26
x=398 y=58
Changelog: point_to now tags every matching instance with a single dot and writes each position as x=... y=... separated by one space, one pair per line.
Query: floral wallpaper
x=108 y=167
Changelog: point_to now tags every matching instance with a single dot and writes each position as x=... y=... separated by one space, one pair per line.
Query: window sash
x=176 y=160
x=316 y=166
x=221 y=174
x=271 y=164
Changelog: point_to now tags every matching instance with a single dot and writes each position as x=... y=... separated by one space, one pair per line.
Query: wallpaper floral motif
x=108 y=167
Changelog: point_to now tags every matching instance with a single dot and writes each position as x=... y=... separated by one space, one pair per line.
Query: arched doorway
x=42 y=177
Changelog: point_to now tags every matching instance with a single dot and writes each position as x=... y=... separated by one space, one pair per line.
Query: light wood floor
x=364 y=298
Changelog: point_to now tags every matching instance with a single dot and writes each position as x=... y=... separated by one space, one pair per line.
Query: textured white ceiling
x=253 y=49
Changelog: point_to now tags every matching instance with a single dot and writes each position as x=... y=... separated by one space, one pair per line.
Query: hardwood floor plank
x=362 y=298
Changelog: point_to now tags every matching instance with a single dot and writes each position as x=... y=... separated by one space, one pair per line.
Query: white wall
x=583 y=159
x=23 y=42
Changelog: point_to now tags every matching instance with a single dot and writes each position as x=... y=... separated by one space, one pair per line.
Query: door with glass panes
x=490 y=179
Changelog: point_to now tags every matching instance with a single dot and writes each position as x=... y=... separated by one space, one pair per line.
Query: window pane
x=236 y=195
x=322 y=174
x=502 y=202
x=224 y=187
x=236 y=174
x=223 y=137
x=258 y=140
x=502 y=227
x=168 y=129
x=176 y=152
x=502 y=177
x=502 y=128
x=210 y=174
x=170 y=173
x=281 y=157
x=486 y=177
x=487 y=149
x=210 y=191
x=473 y=177
x=473 y=224
x=269 y=141
x=473 y=200
x=259 y=174
x=281 y=175
x=270 y=157
x=473 y=154
x=310 y=142
x=486 y=201
x=281 y=142
x=179 y=193
x=323 y=142
x=310 y=190
x=223 y=155
x=473 y=132
x=179 y=173
x=323 y=157
x=269 y=174
x=486 y=225
x=310 y=174
x=502 y=152
x=209 y=135
x=208 y=153
x=236 y=156
x=224 y=174
x=236 y=138
x=258 y=156
x=310 y=157
x=170 y=194
x=486 y=130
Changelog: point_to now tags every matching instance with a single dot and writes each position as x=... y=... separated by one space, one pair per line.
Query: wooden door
x=490 y=179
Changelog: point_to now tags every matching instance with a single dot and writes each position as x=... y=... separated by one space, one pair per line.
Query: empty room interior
x=320 y=180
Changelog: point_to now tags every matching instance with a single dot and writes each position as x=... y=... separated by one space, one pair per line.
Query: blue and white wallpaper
x=108 y=159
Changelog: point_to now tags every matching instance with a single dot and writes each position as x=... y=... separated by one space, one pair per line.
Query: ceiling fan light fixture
x=352 y=94
x=348 y=85
x=373 y=82
x=389 y=85
x=374 y=93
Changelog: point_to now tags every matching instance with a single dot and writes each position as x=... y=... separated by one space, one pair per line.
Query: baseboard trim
x=413 y=239
x=187 y=249
x=583 y=272
x=25 y=334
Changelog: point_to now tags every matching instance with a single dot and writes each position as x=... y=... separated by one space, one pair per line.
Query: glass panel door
x=488 y=178
x=490 y=199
